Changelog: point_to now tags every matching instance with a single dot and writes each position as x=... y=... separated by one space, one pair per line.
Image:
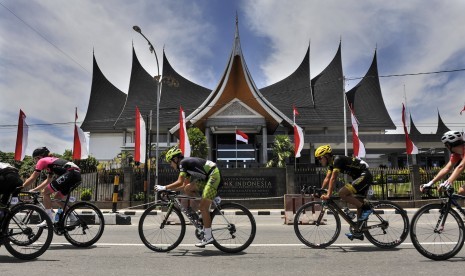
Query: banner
x=21 y=137
x=241 y=136
x=359 y=147
x=80 y=143
x=298 y=140
x=411 y=148
x=184 y=144
x=140 y=146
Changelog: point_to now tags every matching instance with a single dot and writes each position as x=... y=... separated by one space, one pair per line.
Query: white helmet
x=452 y=138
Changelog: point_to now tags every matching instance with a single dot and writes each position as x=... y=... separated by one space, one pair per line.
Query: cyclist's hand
x=425 y=187
x=324 y=197
x=444 y=185
x=160 y=188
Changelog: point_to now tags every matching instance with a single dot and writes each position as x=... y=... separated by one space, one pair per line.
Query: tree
x=282 y=148
x=198 y=141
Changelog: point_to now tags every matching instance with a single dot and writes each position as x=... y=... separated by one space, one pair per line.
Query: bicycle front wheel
x=388 y=226
x=432 y=239
x=233 y=227
x=83 y=224
x=22 y=236
x=160 y=231
x=317 y=225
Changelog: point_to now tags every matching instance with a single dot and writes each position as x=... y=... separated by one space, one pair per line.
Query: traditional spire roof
x=442 y=128
x=414 y=132
x=237 y=91
x=105 y=103
x=142 y=93
x=367 y=100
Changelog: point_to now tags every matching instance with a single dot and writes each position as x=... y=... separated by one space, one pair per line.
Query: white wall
x=105 y=146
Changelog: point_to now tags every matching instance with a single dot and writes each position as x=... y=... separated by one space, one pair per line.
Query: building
x=237 y=103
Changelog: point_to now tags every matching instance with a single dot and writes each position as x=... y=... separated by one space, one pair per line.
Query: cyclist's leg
x=208 y=194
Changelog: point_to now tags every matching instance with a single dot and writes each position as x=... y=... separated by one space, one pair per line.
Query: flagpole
x=235 y=133
x=293 y=118
x=345 y=113
x=405 y=97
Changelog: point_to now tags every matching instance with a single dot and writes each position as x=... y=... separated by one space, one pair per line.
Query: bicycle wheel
x=316 y=225
x=388 y=226
x=234 y=228
x=431 y=241
x=83 y=224
x=21 y=235
x=158 y=234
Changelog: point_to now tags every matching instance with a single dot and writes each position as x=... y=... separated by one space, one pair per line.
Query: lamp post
x=158 y=79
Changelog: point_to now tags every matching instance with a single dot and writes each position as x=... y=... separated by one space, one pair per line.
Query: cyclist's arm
x=443 y=172
x=330 y=179
x=179 y=184
x=457 y=171
x=44 y=183
x=32 y=178
x=326 y=180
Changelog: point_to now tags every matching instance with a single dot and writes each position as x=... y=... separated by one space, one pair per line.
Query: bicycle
x=19 y=231
x=437 y=230
x=81 y=223
x=317 y=224
x=162 y=226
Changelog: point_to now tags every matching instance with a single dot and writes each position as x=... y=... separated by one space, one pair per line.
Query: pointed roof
x=142 y=93
x=367 y=100
x=236 y=85
x=442 y=128
x=105 y=103
x=414 y=132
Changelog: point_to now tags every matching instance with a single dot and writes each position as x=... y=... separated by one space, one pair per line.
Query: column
x=209 y=146
x=264 y=145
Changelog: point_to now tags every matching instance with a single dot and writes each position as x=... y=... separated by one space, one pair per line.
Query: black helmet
x=43 y=151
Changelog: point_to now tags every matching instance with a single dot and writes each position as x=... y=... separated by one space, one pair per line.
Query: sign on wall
x=248 y=187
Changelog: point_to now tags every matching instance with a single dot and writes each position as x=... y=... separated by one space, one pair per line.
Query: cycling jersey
x=205 y=171
x=352 y=166
x=456 y=158
x=55 y=165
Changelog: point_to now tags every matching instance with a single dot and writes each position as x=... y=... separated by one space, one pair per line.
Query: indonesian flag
x=80 y=144
x=298 y=140
x=294 y=110
x=21 y=137
x=241 y=136
x=359 y=148
x=140 y=146
x=411 y=148
x=185 y=146
x=462 y=110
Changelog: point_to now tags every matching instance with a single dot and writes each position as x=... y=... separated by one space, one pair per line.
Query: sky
x=47 y=46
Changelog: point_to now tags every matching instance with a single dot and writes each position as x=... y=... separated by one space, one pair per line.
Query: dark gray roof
x=319 y=104
x=188 y=95
x=442 y=128
x=105 y=103
x=414 y=132
x=367 y=102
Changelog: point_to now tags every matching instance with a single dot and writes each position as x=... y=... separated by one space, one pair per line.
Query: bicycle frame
x=448 y=202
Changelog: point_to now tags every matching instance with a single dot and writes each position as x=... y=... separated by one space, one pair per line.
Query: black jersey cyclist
x=9 y=181
x=454 y=141
x=357 y=169
x=195 y=175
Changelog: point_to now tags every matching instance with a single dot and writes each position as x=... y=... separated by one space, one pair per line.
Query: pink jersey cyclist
x=68 y=173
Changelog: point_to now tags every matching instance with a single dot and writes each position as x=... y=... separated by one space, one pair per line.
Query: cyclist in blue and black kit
x=357 y=169
x=195 y=175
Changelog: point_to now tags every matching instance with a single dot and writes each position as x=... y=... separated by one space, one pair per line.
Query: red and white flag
x=359 y=147
x=184 y=144
x=411 y=148
x=298 y=140
x=80 y=143
x=294 y=111
x=462 y=110
x=140 y=146
x=21 y=137
x=241 y=136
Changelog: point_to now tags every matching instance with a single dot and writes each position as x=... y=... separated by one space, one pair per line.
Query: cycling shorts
x=209 y=188
x=66 y=182
x=361 y=184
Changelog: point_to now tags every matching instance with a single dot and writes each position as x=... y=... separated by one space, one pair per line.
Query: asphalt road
x=275 y=251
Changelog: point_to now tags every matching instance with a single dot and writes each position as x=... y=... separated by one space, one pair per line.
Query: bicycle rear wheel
x=234 y=228
x=388 y=226
x=158 y=234
x=316 y=225
x=432 y=240
x=83 y=224
x=21 y=235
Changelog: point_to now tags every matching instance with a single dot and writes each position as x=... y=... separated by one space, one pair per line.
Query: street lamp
x=157 y=78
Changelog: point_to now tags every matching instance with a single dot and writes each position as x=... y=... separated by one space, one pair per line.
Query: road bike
x=437 y=230
x=82 y=223
x=20 y=233
x=317 y=224
x=162 y=226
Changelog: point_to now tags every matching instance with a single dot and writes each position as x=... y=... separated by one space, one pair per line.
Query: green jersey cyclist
x=357 y=169
x=208 y=180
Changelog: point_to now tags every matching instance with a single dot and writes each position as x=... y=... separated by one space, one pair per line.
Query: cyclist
x=68 y=176
x=455 y=143
x=207 y=181
x=361 y=180
x=9 y=181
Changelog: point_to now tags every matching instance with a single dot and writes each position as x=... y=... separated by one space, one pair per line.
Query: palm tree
x=282 y=148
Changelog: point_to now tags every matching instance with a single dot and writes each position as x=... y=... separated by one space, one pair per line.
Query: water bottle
x=350 y=214
x=58 y=214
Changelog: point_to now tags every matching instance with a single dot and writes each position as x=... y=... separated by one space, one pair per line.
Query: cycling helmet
x=43 y=151
x=452 y=138
x=322 y=150
x=171 y=153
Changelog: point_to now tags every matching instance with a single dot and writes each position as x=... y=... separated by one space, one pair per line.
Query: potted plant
x=86 y=194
